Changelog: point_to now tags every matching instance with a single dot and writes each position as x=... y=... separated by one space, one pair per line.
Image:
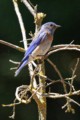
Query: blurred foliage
x=65 y=13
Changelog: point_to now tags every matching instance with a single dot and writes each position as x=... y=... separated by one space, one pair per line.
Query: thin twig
x=59 y=74
x=13 y=68
x=29 y=7
x=24 y=38
x=62 y=80
x=12 y=46
x=58 y=95
x=73 y=73
x=20 y=20
x=18 y=89
x=71 y=100
x=14 y=62
x=62 y=47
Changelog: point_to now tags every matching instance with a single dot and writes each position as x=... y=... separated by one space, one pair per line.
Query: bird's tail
x=20 y=68
x=17 y=72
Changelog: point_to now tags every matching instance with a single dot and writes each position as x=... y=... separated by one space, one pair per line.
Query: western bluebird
x=40 y=44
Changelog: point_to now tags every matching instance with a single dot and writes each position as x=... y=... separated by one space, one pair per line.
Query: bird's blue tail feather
x=20 y=68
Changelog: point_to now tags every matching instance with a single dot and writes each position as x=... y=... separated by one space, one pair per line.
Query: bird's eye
x=51 y=25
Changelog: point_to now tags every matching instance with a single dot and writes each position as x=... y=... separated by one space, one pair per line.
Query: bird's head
x=51 y=26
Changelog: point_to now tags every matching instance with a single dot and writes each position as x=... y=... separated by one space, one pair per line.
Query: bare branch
x=29 y=7
x=58 y=95
x=71 y=100
x=59 y=74
x=14 y=62
x=73 y=73
x=13 y=68
x=23 y=31
x=23 y=89
x=23 y=34
x=61 y=47
x=12 y=46
x=75 y=67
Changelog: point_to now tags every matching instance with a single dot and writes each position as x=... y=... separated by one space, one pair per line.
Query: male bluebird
x=40 y=44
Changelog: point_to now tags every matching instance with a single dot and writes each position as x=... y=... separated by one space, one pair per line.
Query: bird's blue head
x=50 y=26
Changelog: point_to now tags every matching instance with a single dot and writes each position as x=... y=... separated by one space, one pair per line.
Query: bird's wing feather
x=33 y=45
x=41 y=37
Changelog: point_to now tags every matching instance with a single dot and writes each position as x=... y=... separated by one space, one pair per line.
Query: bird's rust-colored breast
x=50 y=37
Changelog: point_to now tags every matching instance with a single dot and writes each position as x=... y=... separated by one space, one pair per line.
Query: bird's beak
x=57 y=26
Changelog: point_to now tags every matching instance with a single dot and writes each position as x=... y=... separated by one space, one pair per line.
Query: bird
x=39 y=45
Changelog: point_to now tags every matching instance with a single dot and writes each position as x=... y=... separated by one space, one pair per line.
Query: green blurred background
x=65 y=13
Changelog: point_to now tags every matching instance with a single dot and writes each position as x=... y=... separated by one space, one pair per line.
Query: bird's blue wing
x=33 y=45
x=42 y=36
